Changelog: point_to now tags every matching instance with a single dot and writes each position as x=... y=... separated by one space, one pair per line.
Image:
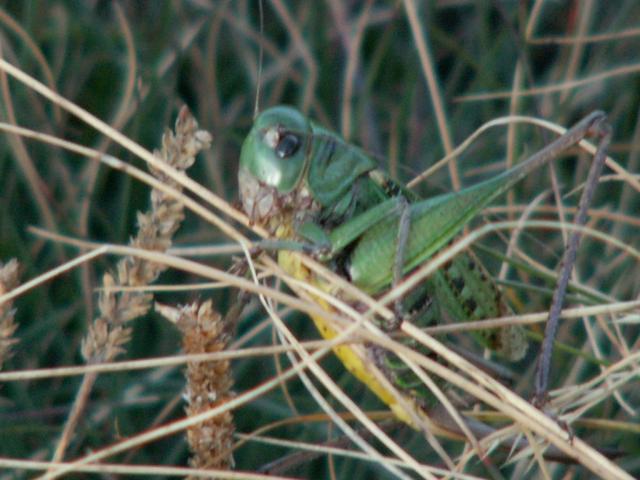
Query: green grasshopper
x=306 y=183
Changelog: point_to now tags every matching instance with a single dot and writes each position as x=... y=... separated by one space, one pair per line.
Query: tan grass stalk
x=208 y=383
x=8 y=281
x=110 y=332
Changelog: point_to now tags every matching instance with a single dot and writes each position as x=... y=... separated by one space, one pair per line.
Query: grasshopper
x=304 y=182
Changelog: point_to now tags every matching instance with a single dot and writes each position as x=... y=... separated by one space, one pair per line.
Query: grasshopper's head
x=272 y=161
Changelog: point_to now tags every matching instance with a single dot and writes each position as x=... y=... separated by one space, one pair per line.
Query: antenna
x=256 y=107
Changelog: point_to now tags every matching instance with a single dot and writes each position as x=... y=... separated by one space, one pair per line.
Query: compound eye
x=288 y=144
